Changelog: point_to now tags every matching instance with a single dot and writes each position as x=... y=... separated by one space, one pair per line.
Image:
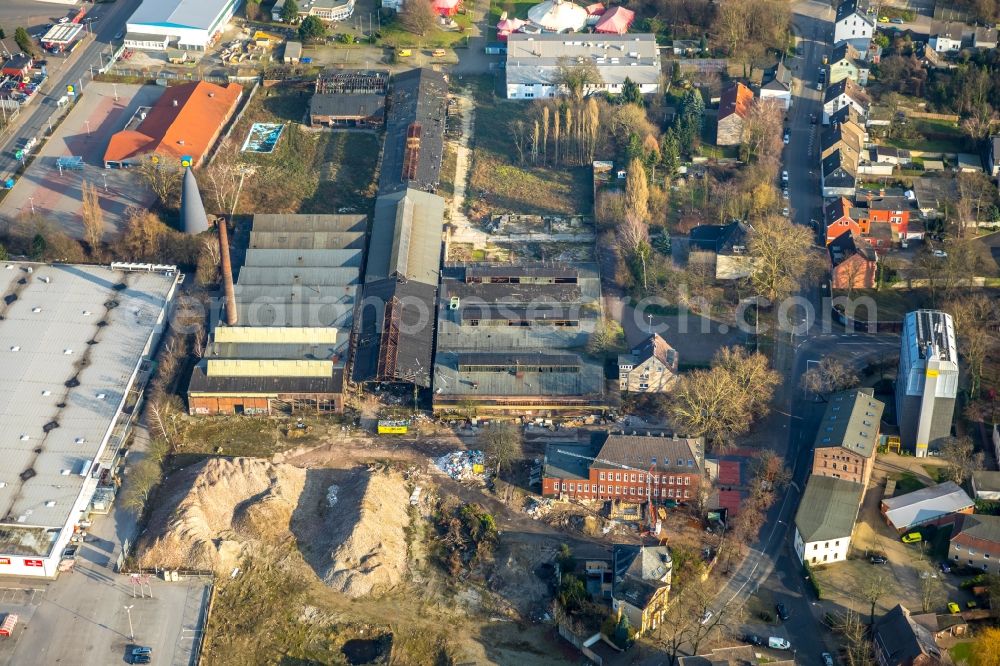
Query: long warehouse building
x=183 y=24
x=77 y=344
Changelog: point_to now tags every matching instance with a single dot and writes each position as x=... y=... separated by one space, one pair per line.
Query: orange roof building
x=185 y=121
x=734 y=107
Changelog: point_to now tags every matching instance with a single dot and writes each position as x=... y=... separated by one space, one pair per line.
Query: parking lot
x=103 y=109
x=23 y=601
x=909 y=566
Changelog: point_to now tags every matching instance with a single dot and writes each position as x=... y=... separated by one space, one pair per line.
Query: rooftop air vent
x=27 y=474
x=50 y=426
x=15 y=348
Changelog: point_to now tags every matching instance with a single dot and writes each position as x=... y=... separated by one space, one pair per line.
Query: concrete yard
x=84 y=133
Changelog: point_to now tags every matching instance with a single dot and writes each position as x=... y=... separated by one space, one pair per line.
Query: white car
x=778 y=643
x=784 y=194
x=707 y=617
x=940 y=254
x=784 y=176
x=784 y=211
x=786 y=139
x=64 y=19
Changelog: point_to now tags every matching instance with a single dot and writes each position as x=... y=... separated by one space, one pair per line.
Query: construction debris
x=462 y=465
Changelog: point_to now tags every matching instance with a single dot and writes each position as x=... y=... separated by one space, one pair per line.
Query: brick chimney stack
x=227 y=273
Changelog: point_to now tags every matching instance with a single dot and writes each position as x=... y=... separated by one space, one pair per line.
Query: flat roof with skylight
x=72 y=339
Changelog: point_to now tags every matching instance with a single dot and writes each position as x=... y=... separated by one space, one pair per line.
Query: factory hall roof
x=198 y=14
x=414 y=131
x=924 y=505
x=72 y=339
x=183 y=122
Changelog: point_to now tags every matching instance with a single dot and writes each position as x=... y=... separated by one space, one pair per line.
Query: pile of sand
x=367 y=553
x=350 y=525
x=217 y=507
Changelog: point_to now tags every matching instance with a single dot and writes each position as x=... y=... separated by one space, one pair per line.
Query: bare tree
x=576 y=78
x=633 y=239
x=502 y=444
x=828 y=376
x=976 y=316
x=545 y=133
x=142 y=236
x=723 y=402
x=162 y=176
x=873 y=588
x=959 y=453
x=418 y=17
x=608 y=336
x=93 y=218
x=520 y=137
x=781 y=255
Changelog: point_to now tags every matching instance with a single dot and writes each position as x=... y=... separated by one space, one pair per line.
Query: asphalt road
x=109 y=19
x=772 y=566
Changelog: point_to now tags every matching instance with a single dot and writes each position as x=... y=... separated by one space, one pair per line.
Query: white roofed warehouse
x=534 y=62
x=183 y=24
x=76 y=343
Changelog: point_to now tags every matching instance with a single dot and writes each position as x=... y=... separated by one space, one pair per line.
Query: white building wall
x=818 y=553
x=545 y=90
x=784 y=96
x=852 y=27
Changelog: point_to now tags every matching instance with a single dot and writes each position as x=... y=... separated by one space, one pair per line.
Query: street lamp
x=131 y=633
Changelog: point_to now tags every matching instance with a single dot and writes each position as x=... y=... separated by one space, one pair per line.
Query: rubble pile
x=462 y=464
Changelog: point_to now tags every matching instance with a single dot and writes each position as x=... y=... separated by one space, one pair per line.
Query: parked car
x=940 y=254
x=787 y=138
x=782 y=611
x=945 y=567
x=707 y=617
x=753 y=639
x=784 y=176
x=778 y=643
x=827 y=659
x=141 y=659
x=785 y=211
x=878 y=559
x=912 y=537
x=953 y=607
x=141 y=650
x=812 y=119
x=897 y=21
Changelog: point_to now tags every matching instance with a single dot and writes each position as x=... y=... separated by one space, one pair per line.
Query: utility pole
x=131 y=633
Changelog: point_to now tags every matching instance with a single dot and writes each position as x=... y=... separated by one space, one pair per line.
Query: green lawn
x=936 y=136
x=395 y=35
x=907 y=483
x=936 y=473
x=961 y=653
x=498 y=184
x=514 y=9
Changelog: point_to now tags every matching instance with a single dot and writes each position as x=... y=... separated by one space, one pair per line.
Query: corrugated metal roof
x=406 y=237
x=312 y=275
x=926 y=504
x=53 y=334
x=319 y=258
x=306 y=222
x=537 y=58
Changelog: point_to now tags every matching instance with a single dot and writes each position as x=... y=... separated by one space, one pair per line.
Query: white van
x=776 y=643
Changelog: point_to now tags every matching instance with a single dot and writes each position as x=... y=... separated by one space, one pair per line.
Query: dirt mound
x=350 y=525
x=216 y=508
x=358 y=544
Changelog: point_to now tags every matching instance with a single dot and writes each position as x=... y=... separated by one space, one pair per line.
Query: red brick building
x=623 y=467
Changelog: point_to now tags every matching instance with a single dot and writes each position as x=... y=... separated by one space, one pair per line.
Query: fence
x=234 y=121
x=582 y=644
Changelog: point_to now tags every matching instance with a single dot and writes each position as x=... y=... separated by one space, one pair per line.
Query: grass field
x=309 y=171
x=514 y=9
x=395 y=35
x=961 y=653
x=498 y=184
x=936 y=136
x=907 y=483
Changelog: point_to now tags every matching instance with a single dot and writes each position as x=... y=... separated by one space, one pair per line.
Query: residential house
x=624 y=467
x=898 y=640
x=847 y=136
x=534 y=62
x=650 y=368
x=986 y=485
x=728 y=244
x=943 y=504
x=845 y=93
x=854 y=25
x=686 y=47
x=839 y=173
x=854 y=263
x=977 y=543
x=890 y=155
x=642 y=576
x=984 y=37
x=734 y=107
x=848 y=436
x=884 y=211
x=777 y=84
x=839 y=220
x=824 y=522
x=293 y=53
x=326 y=10
x=946 y=37
x=993 y=156
x=18 y=66
x=847 y=63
